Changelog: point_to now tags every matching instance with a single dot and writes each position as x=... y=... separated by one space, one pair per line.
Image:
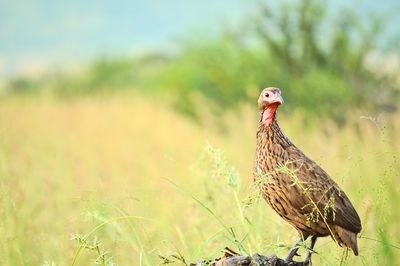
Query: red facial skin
x=268 y=103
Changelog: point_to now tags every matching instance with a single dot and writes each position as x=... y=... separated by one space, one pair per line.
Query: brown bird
x=299 y=190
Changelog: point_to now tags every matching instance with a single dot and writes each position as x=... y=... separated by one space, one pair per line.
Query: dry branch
x=231 y=258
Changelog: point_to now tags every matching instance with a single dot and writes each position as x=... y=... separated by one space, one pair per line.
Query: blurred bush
x=317 y=60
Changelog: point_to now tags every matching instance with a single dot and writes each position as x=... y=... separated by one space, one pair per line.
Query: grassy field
x=127 y=181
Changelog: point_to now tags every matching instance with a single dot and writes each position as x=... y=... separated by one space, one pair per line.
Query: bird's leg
x=310 y=251
x=293 y=251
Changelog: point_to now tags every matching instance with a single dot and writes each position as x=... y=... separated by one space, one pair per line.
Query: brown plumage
x=300 y=191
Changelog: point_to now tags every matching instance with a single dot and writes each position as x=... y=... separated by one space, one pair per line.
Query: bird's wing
x=312 y=186
x=345 y=214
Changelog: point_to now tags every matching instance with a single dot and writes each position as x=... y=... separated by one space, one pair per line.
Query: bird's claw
x=308 y=258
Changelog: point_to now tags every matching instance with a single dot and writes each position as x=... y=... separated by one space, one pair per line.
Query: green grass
x=129 y=182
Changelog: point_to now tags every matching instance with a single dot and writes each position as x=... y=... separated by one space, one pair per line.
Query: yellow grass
x=67 y=167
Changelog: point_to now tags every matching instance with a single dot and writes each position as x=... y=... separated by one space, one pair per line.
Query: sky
x=36 y=35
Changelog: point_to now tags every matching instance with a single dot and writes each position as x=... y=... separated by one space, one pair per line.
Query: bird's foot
x=293 y=251
x=308 y=261
x=289 y=258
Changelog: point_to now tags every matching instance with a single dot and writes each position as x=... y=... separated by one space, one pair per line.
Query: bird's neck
x=272 y=133
x=271 y=128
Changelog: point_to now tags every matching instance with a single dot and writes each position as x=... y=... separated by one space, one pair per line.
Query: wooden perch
x=231 y=258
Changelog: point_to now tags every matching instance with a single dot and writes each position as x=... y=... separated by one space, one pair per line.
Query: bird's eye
x=267 y=94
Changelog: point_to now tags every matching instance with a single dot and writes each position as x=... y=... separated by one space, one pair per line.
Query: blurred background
x=127 y=128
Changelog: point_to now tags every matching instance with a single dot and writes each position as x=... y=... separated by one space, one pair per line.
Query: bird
x=297 y=188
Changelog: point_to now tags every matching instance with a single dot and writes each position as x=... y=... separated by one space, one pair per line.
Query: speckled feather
x=291 y=200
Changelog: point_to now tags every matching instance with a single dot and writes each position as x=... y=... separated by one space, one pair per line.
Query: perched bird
x=299 y=190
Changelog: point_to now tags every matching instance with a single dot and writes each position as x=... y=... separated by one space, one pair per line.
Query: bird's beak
x=280 y=99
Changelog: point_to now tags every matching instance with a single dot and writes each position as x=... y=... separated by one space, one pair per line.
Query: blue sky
x=39 y=34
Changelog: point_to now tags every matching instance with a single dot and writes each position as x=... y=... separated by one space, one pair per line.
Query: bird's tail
x=347 y=238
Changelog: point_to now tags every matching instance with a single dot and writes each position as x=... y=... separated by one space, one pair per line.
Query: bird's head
x=268 y=102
